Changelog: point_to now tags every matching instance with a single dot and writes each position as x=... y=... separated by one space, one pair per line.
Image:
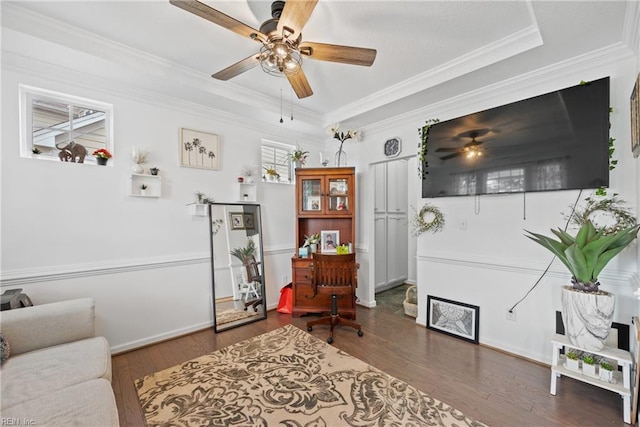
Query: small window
x=276 y=162
x=55 y=126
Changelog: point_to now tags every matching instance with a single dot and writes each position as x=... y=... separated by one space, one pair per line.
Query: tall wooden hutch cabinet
x=325 y=201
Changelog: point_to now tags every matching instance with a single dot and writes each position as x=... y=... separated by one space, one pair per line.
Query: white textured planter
x=605 y=375
x=587 y=317
x=573 y=364
x=589 y=370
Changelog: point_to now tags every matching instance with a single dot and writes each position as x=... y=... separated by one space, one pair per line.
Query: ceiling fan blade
x=295 y=15
x=450 y=156
x=217 y=17
x=446 y=149
x=300 y=84
x=237 y=68
x=337 y=53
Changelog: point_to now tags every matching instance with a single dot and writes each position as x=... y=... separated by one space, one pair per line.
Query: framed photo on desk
x=329 y=241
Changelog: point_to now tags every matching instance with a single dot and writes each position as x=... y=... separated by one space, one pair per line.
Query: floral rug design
x=286 y=377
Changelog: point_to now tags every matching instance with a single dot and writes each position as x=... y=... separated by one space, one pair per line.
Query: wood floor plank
x=491 y=386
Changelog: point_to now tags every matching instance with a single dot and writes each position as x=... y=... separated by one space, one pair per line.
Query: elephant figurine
x=71 y=151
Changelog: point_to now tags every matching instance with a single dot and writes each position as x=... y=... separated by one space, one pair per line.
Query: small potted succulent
x=589 y=365
x=573 y=361
x=143 y=189
x=606 y=371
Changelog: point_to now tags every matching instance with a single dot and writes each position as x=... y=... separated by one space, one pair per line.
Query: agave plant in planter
x=587 y=311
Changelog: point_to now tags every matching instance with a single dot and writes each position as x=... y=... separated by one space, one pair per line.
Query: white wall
x=71 y=230
x=492 y=264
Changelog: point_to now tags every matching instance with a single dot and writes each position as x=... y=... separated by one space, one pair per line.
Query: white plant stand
x=622 y=384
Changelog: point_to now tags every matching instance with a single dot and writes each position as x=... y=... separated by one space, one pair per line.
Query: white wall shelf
x=247 y=192
x=153 y=183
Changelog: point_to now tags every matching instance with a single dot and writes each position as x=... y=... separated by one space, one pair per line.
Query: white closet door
x=397 y=182
x=381 y=250
x=380 y=194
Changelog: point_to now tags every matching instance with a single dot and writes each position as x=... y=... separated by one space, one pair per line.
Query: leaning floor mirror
x=237 y=268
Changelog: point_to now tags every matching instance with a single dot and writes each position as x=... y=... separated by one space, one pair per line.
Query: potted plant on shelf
x=271 y=174
x=312 y=242
x=299 y=157
x=589 y=365
x=585 y=255
x=606 y=371
x=102 y=156
x=573 y=361
x=143 y=189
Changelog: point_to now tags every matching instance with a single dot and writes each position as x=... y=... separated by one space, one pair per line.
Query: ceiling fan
x=470 y=149
x=282 y=46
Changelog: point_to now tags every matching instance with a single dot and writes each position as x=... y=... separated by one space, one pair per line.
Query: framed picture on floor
x=199 y=150
x=453 y=318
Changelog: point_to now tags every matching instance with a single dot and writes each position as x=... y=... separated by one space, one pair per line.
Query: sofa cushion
x=90 y=403
x=29 y=375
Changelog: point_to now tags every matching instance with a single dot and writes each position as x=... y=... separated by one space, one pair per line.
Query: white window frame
x=29 y=93
x=289 y=149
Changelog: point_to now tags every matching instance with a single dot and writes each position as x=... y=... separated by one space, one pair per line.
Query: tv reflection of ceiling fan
x=470 y=150
x=282 y=46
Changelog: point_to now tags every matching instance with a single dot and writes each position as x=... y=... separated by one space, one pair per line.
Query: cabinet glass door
x=338 y=194
x=311 y=195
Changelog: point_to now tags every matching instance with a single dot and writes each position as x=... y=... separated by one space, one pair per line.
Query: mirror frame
x=262 y=289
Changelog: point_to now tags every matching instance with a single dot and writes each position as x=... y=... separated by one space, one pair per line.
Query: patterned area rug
x=286 y=377
x=231 y=315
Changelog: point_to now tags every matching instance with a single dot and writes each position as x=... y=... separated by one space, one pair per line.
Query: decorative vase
x=313 y=248
x=154 y=171
x=587 y=317
x=101 y=161
x=137 y=168
x=341 y=157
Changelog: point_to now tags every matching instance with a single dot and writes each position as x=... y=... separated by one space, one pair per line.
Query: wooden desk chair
x=334 y=275
x=253 y=277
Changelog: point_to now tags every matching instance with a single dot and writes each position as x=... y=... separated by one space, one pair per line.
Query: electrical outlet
x=511 y=315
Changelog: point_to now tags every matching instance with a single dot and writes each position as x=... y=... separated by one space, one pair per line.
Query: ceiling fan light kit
x=282 y=46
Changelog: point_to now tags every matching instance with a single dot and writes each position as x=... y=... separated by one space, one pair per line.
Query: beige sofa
x=58 y=372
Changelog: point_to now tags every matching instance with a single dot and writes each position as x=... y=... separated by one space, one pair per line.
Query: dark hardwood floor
x=490 y=386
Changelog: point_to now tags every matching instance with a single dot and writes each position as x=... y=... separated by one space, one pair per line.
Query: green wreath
x=611 y=206
x=420 y=225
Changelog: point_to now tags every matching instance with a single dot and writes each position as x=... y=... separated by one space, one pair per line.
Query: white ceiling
x=427 y=50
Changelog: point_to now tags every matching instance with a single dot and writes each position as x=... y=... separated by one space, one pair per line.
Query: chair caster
x=360 y=333
x=309 y=328
x=330 y=340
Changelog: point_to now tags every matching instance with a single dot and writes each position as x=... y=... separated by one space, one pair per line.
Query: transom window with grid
x=276 y=162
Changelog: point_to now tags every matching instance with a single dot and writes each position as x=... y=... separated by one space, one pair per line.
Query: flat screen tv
x=555 y=141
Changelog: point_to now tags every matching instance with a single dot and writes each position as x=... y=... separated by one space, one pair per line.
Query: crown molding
x=512 y=45
x=512 y=88
x=631 y=28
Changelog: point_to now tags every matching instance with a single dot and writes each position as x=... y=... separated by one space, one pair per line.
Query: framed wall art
x=635 y=118
x=237 y=220
x=199 y=150
x=329 y=241
x=453 y=318
x=248 y=221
